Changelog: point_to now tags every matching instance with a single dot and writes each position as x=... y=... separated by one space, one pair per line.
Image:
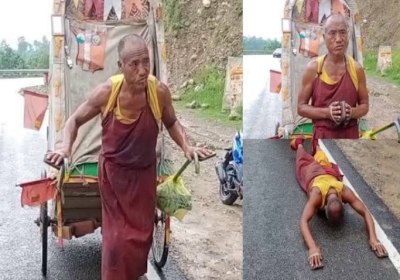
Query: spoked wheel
x=44 y=224
x=160 y=244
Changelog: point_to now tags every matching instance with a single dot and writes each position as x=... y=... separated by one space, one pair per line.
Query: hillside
x=201 y=33
x=380 y=22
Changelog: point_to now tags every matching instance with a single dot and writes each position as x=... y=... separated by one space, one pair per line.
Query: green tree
x=259 y=44
x=9 y=58
x=26 y=55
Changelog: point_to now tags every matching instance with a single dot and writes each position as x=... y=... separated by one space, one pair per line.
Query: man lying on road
x=131 y=105
x=322 y=181
x=332 y=78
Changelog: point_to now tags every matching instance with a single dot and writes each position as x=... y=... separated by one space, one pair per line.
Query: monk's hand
x=335 y=111
x=57 y=157
x=315 y=257
x=349 y=112
x=378 y=247
x=201 y=152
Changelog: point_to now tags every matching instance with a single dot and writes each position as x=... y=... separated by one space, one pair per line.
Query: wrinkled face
x=336 y=36
x=134 y=63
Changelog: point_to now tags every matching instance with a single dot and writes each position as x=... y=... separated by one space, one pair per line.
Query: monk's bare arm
x=349 y=197
x=307 y=215
x=303 y=108
x=88 y=110
x=169 y=119
x=363 y=99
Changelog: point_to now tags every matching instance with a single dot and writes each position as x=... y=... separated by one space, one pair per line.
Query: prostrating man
x=322 y=181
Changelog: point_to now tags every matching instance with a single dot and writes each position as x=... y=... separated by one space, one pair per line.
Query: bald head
x=335 y=19
x=130 y=42
x=334 y=210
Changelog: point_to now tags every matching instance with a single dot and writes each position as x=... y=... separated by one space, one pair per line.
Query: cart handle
x=196 y=164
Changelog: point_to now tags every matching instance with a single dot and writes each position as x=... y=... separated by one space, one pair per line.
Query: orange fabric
x=312 y=48
x=97 y=52
x=37 y=192
x=34 y=109
x=275 y=81
x=338 y=7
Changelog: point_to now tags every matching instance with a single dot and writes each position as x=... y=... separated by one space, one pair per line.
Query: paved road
x=273 y=246
x=21 y=153
x=261 y=109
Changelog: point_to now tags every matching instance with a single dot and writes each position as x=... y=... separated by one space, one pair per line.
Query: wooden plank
x=88 y=202
x=82 y=214
x=78 y=189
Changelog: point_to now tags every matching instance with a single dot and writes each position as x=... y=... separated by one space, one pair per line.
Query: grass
x=391 y=74
x=173 y=14
x=211 y=82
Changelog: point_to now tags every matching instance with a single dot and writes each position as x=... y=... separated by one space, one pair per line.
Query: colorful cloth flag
x=35 y=193
x=34 y=109
x=275 y=81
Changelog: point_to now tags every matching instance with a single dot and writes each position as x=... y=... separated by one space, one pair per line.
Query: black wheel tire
x=227 y=198
x=44 y=224
x=159 y=249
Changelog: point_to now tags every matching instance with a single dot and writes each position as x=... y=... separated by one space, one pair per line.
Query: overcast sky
x=262 y=18
x=29 y=18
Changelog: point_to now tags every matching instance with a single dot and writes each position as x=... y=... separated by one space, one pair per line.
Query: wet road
x=261 y=109
x=21 y=153
x=273 y=246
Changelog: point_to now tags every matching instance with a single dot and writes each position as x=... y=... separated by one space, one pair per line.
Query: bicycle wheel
x=44 y=224
x=160 y=246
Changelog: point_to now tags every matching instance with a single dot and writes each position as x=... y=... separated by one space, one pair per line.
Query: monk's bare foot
x=295 y=143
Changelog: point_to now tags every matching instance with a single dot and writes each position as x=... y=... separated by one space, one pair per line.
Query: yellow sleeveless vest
x=117 y=81
x=351 y=68
x=325 y=182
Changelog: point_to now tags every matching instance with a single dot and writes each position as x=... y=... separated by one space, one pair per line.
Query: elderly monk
x=332 y=78
x=130 y=104
x=322 y=181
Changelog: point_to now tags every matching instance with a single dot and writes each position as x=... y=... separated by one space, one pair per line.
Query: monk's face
x=134 y=63
x=336 y=36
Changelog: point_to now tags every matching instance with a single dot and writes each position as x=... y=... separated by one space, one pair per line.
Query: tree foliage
x=260 y=44
x=27 y=55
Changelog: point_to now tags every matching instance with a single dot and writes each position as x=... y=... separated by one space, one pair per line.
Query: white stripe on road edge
x=394 y=255
x=151 y=272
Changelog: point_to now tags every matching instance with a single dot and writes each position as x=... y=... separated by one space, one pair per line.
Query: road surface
x=273 y=247
x=261 y=108
x=21 y=153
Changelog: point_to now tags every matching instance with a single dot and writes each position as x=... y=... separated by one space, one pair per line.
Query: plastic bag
x=173 y=198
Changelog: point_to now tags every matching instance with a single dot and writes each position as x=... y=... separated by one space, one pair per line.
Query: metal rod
x=7 y=71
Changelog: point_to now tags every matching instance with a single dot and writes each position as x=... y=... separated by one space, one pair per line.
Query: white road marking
x=394 y=255
x=151 y=272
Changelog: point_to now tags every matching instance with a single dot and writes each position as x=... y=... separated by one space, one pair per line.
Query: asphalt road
x=273 y=247
x=21 y=153
x=262 y=110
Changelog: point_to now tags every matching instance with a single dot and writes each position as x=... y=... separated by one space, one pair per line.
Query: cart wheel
x=160 y=244
x=44 y=224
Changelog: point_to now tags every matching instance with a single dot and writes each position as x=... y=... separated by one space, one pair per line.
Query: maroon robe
x=127 y=173
x=307 y=168
x=323 y=95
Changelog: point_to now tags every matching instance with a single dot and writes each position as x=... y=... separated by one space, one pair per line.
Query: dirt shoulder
x=378 y=161
x=208 y=243
x=384 y=100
